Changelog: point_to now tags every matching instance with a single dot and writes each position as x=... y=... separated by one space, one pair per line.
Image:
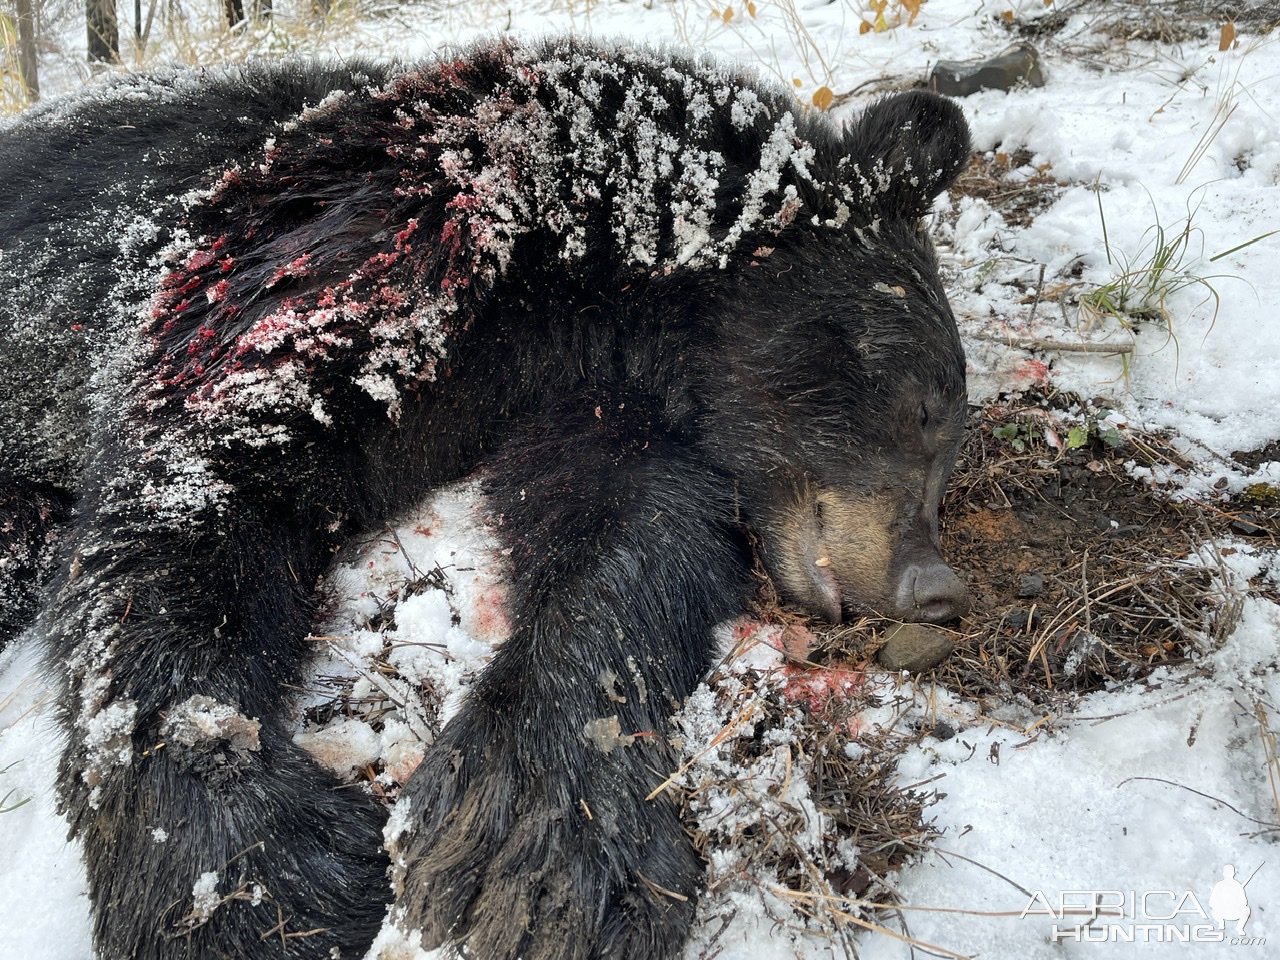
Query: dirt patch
x=1255 y=510
x=1153 y=23
x=1079 y=572
x=1015 y=188
x=1253 y=459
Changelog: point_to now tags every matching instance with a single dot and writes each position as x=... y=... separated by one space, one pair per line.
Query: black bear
x=248 y=313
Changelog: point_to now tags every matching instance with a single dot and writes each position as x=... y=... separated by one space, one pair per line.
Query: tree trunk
x=27 y=50
x=104 y=35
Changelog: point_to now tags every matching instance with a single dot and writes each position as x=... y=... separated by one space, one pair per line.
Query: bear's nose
x=936 y=593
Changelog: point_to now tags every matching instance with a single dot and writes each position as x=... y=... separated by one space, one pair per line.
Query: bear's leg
x=179 y=627
x=531 y=834
x=30 y=519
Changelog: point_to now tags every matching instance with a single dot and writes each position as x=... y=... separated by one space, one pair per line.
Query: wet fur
x=626 y=422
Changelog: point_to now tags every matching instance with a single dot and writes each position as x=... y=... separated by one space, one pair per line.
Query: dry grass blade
x=1200 y=793
x=725 y=732
x=1270 y=753
x=858 y=921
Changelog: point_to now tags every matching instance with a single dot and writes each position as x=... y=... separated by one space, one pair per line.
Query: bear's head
x=840 y=384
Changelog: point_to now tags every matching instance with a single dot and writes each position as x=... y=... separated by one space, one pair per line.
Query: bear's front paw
x=269 y=860
x=557 y=857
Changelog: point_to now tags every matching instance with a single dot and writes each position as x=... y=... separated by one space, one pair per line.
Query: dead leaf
x=823 y=98
x=1227 y=36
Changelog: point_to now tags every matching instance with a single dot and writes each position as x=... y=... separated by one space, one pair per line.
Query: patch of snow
x=44 y=905
x=205 y=898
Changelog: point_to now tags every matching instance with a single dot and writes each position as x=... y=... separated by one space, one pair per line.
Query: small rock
x=1015 y=65
x=915 y=647
x=851 y=883
x=943 y=731
x=1242 y=524
x=797 y=641
x=1032 y=585
x=1019 y=620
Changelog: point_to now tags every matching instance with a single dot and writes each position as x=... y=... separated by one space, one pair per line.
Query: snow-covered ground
x=1143 y=795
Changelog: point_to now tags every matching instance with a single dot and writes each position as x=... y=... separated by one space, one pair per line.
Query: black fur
x=654 y=301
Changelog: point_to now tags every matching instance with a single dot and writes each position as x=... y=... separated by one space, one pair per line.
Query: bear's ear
x=904 y=151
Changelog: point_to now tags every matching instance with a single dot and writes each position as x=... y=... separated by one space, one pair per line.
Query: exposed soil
x=1255 y=510
x=1077 y=570
x=1256 y=458
x=1009 y=182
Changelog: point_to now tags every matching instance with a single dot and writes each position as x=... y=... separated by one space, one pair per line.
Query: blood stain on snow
x=488 y=620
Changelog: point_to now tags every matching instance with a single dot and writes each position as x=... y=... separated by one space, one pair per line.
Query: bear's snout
x=931 y=593
x=842 y=556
